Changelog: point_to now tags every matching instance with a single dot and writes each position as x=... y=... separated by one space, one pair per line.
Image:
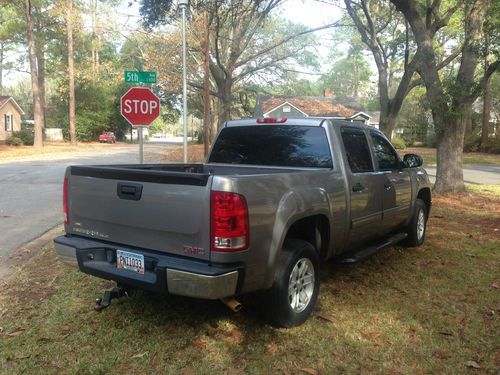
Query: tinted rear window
x=273 y=145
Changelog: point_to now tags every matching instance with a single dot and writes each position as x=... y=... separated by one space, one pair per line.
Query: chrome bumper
x=66 y=254
x=201 y=286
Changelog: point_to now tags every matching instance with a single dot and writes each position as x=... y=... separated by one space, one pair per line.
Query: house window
x=286 y=109
x=8 y=123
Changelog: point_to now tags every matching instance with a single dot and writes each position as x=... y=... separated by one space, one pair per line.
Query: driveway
x=474 y=173
x=31 y=191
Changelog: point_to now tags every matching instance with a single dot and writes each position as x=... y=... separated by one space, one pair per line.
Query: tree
x=37 y=104
x=450 y=104
x=491 y=48
x=350 y=74
x=245 y=44
x=71 y=72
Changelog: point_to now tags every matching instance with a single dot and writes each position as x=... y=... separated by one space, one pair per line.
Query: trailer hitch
x=105 y=301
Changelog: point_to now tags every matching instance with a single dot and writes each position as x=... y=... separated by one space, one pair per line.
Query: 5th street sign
x=139 y=77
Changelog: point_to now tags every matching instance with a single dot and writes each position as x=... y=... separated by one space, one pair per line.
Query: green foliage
x=398 y=143
x=26 y=136
x=493 y=145
x=472 y=143
x=14 y=141
x=158 y=126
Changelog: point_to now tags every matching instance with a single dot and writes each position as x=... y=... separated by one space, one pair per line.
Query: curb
x=28 y=250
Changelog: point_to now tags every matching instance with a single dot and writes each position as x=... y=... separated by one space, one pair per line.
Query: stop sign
x=140 y=106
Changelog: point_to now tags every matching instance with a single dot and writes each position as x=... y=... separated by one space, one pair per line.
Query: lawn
x=429 y=156
x=432 y=309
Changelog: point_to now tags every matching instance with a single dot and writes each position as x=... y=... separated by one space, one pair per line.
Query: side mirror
x=412 y=160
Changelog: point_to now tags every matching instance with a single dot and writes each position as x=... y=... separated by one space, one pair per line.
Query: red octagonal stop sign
x=140 y=106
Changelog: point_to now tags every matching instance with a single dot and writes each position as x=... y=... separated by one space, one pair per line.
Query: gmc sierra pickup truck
x=275 y=198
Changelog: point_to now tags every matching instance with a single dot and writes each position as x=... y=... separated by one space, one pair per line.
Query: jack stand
x=102 y=303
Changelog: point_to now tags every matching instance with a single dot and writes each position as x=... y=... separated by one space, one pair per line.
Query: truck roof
x=304 y=121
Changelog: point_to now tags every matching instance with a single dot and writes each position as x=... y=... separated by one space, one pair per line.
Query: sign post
x=140 y=107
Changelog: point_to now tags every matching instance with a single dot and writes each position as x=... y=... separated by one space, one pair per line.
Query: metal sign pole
x=183 y=5
x=141 y=145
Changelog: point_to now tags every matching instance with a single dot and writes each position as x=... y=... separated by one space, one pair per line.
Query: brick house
x=10 y=117
x=311 y=106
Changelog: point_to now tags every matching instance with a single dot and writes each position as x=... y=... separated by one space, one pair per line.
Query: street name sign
x=132 y=76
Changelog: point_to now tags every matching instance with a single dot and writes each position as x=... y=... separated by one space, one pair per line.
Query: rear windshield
x=273 y=145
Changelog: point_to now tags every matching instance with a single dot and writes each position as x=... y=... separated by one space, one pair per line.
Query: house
x=311 y=106
x=10 y=117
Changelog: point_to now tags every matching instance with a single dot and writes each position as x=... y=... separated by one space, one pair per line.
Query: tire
x=292 y=301
x=418 y=225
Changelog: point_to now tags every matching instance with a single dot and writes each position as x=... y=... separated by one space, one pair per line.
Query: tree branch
x=283 y=41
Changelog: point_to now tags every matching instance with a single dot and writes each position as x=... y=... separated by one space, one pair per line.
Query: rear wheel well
x=425 y=195
x=313 y=229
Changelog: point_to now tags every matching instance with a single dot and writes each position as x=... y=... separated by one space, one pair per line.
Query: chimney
x=328 y=93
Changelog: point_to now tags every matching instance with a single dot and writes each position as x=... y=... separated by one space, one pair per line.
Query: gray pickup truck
x=275 y=198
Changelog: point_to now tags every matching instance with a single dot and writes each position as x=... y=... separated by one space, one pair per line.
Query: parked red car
x=108 y=137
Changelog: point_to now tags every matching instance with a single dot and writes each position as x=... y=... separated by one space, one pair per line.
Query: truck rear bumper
x=163 y=273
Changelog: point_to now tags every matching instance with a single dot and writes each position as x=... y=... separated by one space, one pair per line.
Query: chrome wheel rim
x=301 y=285
x=420 y=224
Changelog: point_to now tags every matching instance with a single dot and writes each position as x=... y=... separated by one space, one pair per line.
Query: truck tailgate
x=156 y=210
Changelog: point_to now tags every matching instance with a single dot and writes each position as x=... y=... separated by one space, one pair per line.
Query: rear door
x=364 y=187
x=396 y=198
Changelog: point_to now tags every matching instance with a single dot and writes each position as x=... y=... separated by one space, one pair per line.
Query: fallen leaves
x=139 y=355
x=472 y=364
x=328 y=318
x=15 y=332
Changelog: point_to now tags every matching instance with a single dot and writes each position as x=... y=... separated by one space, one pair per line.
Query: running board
x=357 y=255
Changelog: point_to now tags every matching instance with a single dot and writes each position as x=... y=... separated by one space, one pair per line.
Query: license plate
x=130 y=261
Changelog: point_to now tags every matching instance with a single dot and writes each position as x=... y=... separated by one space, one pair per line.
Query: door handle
x=129 y=191
x=358 y=188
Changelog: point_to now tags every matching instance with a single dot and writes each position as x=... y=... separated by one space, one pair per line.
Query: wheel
x=296 y=284
x=417 y=226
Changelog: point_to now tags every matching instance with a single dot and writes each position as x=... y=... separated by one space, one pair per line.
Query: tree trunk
x=1 y=68
x=485 y=128
x=468 y=123
x=449 y=173
x=71 y=73
x=206 y=85
x=40 y=58
x=37 y=106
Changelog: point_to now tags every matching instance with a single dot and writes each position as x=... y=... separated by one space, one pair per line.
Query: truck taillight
x=65 y=201
x=271 y=120
x=228 y=222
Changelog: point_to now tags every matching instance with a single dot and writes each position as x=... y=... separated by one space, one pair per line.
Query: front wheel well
x=425 y=195
x=313 y=229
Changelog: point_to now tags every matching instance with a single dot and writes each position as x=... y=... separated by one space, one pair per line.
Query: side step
x=357 y=255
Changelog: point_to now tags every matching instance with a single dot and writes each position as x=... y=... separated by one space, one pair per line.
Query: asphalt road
x=31 y=191
x=474 y=173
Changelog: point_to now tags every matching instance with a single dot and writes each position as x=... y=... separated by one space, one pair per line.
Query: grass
x=429 y=156
x=432 y=309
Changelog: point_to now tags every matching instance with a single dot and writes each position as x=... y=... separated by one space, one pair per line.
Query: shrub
x=25 y=135
x=493 y=145
x=14 y=141
x=399 y=143
x=472 y=142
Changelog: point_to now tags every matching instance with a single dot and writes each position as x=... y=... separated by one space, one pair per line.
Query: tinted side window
x=273 y=145
x=385 y=154
x=357 y=151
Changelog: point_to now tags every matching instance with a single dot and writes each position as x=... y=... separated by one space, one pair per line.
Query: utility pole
x=183 y=5
x=206 y=83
